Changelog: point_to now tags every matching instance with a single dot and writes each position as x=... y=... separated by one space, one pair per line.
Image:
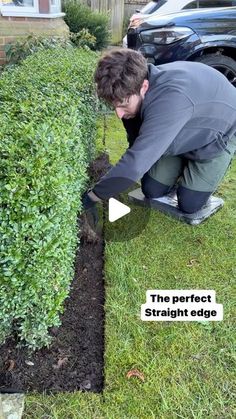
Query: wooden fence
x=116 y=10
x=132 y=5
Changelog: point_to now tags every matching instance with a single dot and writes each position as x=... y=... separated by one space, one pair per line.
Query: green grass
x=189 y=367
x=63 y=406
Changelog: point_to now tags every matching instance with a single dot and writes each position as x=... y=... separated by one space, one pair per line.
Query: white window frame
x=19 y=10
x=14 y=11
x=56 y=8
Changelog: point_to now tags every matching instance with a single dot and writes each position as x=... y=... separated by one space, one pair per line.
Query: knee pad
x=191 y=201
x=151 y=188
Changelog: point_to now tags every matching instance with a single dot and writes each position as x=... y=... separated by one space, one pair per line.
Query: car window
x=191 y=5
x=216 y=3
x=152 y=6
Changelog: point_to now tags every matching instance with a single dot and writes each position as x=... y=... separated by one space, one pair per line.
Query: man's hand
x=89 y=201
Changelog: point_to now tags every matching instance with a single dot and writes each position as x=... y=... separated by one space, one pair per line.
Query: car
x=207 y=36
x=162 y=7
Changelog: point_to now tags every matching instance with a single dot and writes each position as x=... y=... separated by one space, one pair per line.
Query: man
x=181 y=124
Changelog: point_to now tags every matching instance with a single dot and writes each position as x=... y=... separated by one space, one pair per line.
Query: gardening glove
x=89 y=205
x=87 y=202
x=92 y=216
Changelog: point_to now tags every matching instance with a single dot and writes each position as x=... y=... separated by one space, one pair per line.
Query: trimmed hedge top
x=47 y=135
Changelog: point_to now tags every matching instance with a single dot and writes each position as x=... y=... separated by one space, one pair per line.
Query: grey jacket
x=188 y=110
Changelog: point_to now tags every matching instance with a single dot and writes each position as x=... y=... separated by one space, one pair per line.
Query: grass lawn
x=188 y=367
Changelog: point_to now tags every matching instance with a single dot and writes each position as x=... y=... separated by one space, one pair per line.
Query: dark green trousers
x=196 y=180
x=196 y=175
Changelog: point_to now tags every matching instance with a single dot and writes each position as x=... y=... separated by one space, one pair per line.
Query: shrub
x=47 y=109
x=22 y=48
x=79 y=16
x=19 y=50
x=83 y=39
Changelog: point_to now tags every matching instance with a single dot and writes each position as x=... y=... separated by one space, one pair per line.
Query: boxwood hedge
x=47 y=131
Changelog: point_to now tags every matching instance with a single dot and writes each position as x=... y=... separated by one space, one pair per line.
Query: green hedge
x=47 y=137
x=79 y=17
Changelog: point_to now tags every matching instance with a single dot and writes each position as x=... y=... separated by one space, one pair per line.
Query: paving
x=11 y=406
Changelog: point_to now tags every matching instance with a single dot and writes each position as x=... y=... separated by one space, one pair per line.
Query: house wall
x=13 y=28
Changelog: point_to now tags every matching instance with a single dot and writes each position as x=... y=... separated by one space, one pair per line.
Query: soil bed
x=75 y=359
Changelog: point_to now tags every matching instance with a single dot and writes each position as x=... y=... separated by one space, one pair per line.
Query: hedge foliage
x=79 y=16
x=47 y=111
x=17 y=51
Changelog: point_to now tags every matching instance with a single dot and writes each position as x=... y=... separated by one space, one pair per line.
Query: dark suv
x=207 y=36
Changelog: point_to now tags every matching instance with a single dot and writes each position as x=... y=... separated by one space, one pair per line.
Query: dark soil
x=75 y=358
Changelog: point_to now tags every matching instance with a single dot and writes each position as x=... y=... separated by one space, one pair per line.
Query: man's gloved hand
x=89 y=205
x=87 y=201
x=92 y=217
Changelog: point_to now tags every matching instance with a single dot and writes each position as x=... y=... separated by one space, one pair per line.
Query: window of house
x=55 y=6
x=29 y=7
x=19 y=5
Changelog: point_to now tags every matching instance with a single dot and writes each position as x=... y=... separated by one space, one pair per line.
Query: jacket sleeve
x=162 y=122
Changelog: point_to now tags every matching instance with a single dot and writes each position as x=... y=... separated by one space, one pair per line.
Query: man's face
x=130 y=106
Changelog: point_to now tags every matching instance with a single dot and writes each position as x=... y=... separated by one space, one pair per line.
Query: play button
x=116 y=210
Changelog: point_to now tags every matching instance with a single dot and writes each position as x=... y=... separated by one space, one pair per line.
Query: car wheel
x=222 y=63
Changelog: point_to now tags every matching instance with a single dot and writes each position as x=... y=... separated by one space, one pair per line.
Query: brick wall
x=15 y=28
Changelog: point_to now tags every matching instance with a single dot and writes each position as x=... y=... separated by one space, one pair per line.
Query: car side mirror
x=137 y=10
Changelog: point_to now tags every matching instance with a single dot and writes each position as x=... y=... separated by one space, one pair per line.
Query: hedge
x=47 y=111
x=78 y=17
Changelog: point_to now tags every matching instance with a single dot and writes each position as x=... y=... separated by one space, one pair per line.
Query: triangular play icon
x=116 y=210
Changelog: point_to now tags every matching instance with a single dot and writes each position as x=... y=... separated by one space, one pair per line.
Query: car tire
x=226 y=65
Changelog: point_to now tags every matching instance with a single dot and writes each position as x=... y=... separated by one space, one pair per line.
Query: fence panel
x=116 y=10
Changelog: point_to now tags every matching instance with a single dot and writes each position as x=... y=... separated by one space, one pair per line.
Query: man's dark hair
x=120 y=73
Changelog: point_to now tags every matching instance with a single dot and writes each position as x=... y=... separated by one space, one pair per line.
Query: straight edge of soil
x=75 y=359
